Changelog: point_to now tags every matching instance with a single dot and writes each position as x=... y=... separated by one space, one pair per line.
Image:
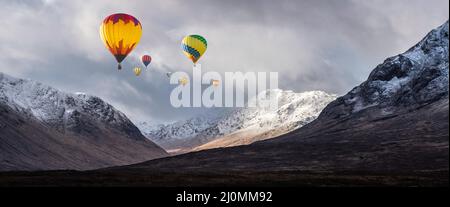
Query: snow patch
x=394 y=85
x=51 y=106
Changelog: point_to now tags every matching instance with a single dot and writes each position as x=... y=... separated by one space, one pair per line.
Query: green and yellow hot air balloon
x=194 y=46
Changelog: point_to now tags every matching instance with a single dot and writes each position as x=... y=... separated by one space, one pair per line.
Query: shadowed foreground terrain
x=409 y=149
x=260 y=179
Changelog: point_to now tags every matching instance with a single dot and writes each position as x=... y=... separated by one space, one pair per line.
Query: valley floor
x=246 y=179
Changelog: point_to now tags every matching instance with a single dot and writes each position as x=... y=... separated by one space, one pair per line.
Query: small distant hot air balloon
x=146 y=59
x=194 y=46
x=183 y=81
x=120 y=33
x=215 y=82
x=137 y=71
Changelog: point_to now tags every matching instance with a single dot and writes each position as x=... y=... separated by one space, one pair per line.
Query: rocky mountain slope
x=412 y=79
x=44 y=128
x=242 y=125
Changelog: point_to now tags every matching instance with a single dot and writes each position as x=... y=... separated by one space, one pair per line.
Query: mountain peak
x=64 y=131
x=417 y=77
x=61 y=110
x=294 y=110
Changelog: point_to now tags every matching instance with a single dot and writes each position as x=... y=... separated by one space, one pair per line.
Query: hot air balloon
x=146 y=59
x=183 y=81
x=120 y=33
x=194 y=46
x=137 y=71
x=215 y=82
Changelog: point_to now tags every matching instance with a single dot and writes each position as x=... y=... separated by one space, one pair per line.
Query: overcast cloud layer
x=328 y=45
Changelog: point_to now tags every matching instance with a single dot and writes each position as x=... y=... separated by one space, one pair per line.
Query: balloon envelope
x=183 y=81
x=137 y=71
x=120 y=33
x=215 y=82
x=194 y=46
x=146 y=59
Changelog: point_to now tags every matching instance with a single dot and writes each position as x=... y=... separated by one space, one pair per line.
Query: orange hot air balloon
x=215 y=82
x=120 y=33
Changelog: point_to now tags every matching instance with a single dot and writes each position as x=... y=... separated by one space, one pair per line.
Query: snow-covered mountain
x=177 y=130
x=59 y=109
x=97 y=125
x=294 y=110
x=415 y=78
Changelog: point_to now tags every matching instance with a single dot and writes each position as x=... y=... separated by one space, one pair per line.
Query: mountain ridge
x=417 y=76
x=39 y=122
x=294 y=110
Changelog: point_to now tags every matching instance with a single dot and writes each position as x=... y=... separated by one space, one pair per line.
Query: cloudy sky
x=329 y=45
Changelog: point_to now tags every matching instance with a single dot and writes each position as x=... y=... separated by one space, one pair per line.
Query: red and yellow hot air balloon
x=120 y=34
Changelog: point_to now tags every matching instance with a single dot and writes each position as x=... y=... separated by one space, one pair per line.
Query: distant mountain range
x=42 y=128
x=242 y=125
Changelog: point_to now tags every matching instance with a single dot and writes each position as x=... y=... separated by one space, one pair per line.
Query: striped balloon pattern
x=194 y=46
x=146 y=59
